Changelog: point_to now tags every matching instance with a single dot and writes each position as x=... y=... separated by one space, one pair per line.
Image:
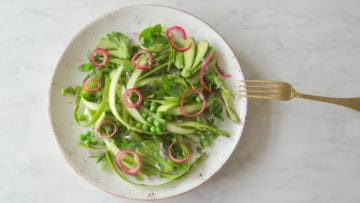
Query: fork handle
x=353 y=103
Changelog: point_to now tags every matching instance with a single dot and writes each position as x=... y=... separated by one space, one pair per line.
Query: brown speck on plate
x=152 y=195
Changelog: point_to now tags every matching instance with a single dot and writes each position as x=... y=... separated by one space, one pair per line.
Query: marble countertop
x=298 y=151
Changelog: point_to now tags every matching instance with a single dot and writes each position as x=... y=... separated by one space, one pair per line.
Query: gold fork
x=277 y=90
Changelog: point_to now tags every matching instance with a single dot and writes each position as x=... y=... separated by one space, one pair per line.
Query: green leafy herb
x=172 y=86
x=214 y=112
x=153 y=39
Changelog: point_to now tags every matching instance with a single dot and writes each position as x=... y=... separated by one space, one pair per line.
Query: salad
x=150 y=109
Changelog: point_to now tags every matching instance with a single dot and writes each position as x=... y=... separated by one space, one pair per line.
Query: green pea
x=153 y=108
x=157 y=123
x=85 y=67
x=83 y=137
x=82 y=117
x=138 y=125
x=63 y=91
x=160 y=125
x=153 y=129
x=87 y=142
x=160 y=114
x=145 y=127
x=147 y=103
x=198 y=99
x=145 y=115
x=88 y=133
x=149 y=119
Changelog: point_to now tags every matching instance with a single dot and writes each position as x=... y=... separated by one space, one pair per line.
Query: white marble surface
x=295 y=151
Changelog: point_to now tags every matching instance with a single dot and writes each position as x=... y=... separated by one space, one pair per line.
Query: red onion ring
x=182 y=108
x=118 y=157
x=221 y=71
x=172 y=158
x=183 y=36
x=99 y=51
x=202 y=71
x=87 y=81
x=98 y=129
x=142 y=67
x=126 y=95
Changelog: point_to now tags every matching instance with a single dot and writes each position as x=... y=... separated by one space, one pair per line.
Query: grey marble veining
x=298 y=151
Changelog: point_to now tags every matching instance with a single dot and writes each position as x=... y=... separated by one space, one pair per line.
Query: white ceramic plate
x=130 y=20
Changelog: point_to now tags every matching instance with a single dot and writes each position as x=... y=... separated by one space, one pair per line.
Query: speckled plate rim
x=51 y=89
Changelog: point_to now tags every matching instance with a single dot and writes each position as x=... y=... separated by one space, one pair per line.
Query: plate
x=131 y=20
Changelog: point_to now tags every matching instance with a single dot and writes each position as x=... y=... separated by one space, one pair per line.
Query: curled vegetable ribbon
x=100 y=110
x=183 y=36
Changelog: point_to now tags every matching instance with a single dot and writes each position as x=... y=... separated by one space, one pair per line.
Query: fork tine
x=261 y=97
x=259 y=86
x=264 y=89
x=270 y=82
x=259 y=91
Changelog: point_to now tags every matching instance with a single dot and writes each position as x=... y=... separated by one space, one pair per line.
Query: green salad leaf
x=153 y=39
x=117 y=44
